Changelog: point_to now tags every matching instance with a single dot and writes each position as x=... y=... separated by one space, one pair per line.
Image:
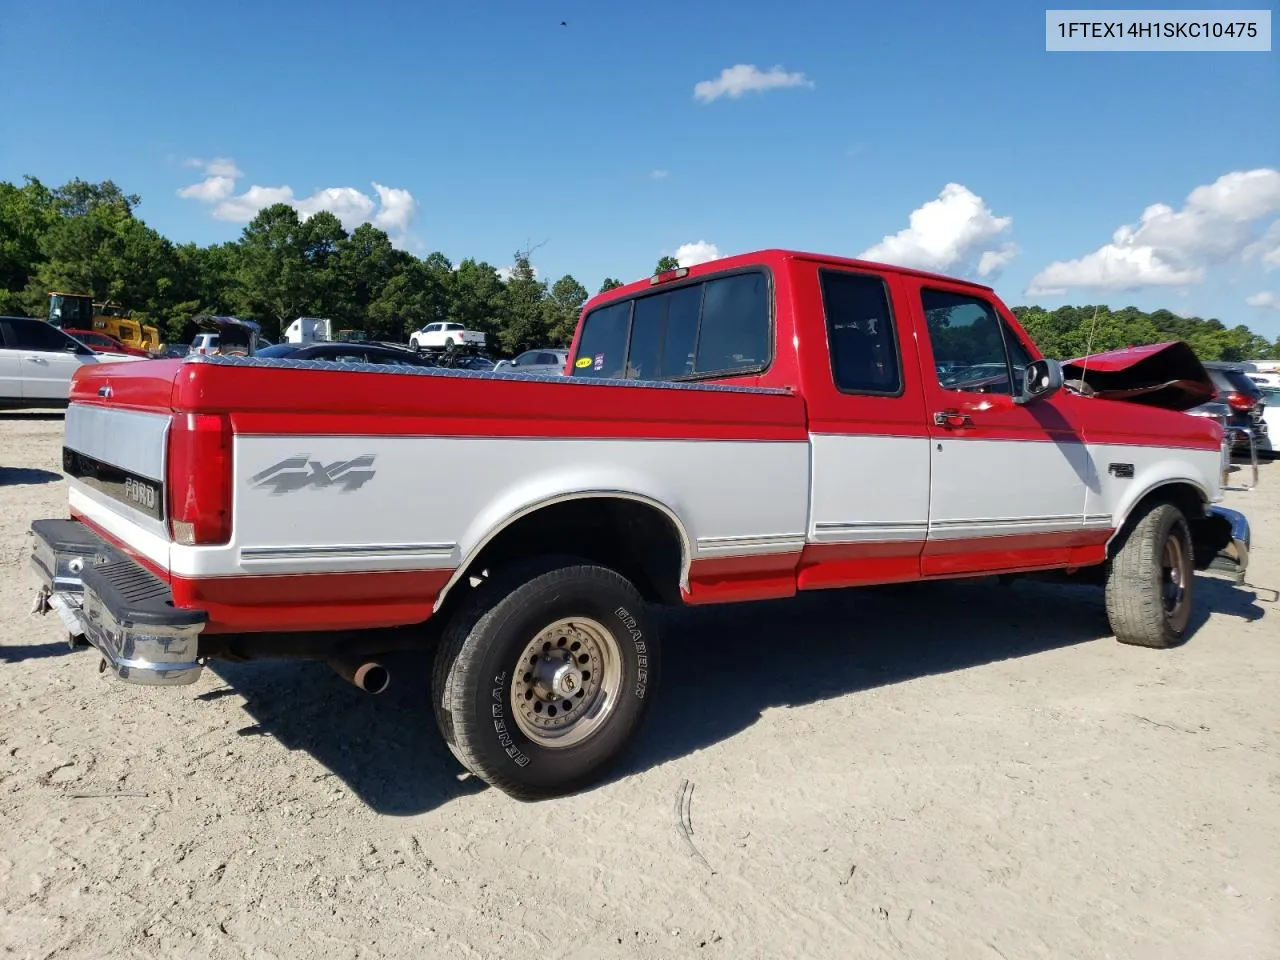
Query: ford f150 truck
x=741 y=430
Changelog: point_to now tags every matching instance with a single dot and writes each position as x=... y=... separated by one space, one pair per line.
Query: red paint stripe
x=1013 y=554
x=312 y=601
x=307 y=601
x=731 y=579
x=827 y=565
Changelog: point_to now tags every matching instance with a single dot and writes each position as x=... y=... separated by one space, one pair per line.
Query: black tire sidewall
x=1174 y=524
x=488 y=714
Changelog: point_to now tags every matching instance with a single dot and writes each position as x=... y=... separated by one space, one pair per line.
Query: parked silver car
x=549 y=361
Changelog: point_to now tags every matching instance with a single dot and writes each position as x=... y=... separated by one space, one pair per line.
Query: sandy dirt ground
x=950 y=771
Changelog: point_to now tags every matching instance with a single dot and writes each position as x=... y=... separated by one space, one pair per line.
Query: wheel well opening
x=1204 y=526
x=636 y=539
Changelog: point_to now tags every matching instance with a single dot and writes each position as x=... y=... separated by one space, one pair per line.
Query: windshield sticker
x=599 y=365
x=583 y=362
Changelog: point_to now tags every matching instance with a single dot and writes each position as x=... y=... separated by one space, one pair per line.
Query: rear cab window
x=715 y=327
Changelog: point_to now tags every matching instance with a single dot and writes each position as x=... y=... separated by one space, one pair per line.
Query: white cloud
x=742 y=78
x=217 y=167
x=1264 y=299
x=393 y=211
x=954 y=233
x=209 y=190
x=1267 y=248
x=398 y=208
x=658 y=174
x=243 y=208
x=1170 y=247
x=348 y=204
x=692 y=254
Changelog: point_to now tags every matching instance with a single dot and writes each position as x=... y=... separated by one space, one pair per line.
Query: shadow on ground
x=17 y=416
x=723 y=666
x=26 y=476
x=32 y=651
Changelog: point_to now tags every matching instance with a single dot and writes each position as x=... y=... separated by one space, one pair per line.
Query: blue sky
x=505 y=128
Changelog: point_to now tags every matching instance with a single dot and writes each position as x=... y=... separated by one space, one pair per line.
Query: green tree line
x=85 y=237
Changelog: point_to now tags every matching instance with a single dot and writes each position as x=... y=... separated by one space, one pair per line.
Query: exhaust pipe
x=369 y=675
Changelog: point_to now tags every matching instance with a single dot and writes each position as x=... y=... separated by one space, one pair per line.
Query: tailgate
x=114 y=452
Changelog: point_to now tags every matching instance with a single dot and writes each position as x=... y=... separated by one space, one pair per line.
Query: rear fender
x=534 y=493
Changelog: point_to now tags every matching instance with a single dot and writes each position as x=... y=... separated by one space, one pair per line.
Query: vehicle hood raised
x=1168 y=375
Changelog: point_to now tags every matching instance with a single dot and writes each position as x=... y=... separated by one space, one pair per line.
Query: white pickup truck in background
x=445 y=335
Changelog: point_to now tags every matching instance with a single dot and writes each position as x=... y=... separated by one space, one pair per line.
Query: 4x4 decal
x=297 y=473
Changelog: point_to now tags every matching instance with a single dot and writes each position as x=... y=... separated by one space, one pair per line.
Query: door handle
x=37 y=359
x=952 y=420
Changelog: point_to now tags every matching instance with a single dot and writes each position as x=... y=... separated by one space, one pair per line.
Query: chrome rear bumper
x=1233 y=557
x=106 y=599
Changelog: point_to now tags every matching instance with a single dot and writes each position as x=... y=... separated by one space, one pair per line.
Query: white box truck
x=308 y=330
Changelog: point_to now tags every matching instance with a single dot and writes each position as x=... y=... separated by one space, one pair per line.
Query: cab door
x=869 y=449
x=48 y=359
x=1007 y=481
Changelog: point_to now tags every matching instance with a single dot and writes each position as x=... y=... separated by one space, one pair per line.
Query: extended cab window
x=973 y=349
x=664 y=332
x=860 y=333
x=719 y=326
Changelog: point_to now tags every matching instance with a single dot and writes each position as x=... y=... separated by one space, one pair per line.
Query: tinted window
x=967 y=331
x=278 y=350
x=664 y=332
x=603 y=346
x=38 y=335
x=1239 y=382
x=860 y=333
x=734 y=332
x=720 y=326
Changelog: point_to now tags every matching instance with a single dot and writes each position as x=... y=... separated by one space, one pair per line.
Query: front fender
x=1197 y=469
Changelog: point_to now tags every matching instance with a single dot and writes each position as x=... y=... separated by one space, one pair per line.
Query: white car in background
x=1271 y=415
x=37 y=362
x=440 y=335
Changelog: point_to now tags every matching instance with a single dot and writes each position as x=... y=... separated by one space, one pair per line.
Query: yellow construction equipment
x=78 y=311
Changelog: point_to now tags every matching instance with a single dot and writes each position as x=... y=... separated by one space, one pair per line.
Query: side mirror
x=1042 y=379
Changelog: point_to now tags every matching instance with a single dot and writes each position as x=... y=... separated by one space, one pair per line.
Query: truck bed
x=359 y=492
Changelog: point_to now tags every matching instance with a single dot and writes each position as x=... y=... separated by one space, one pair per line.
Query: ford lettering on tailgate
x=141 y=493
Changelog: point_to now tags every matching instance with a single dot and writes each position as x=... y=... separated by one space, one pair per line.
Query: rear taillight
x=1238 y=401
x=199 y=478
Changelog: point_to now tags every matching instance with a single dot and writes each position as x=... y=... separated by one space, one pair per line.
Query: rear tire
x=1150 y=588
x=544 y=676
x=448 y=342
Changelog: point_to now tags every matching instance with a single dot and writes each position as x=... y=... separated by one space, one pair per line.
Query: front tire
x=1150 y=588
x=543 y=678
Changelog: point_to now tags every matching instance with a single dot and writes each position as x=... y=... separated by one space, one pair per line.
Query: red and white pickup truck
x=740 y=430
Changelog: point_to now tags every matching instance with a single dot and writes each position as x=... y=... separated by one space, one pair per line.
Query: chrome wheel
x=1173 y=580
x=566 y=682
